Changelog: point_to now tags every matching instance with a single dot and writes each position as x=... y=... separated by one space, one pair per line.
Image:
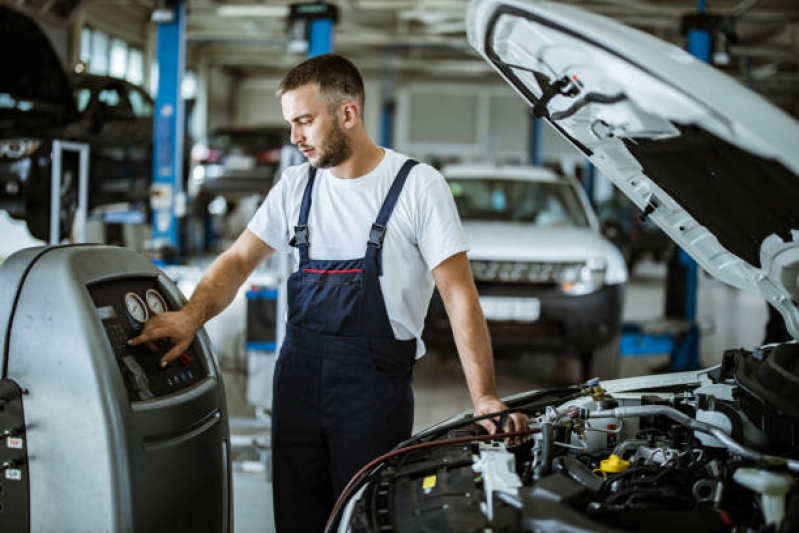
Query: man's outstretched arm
x=217 y=288
x=455 y=283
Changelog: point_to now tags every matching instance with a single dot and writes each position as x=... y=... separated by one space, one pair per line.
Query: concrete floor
x=727 y=317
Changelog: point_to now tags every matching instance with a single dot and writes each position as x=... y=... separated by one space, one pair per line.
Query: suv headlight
x=17 y=148
x=583 y=278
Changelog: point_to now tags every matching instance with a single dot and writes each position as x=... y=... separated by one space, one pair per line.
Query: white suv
x=546 y=276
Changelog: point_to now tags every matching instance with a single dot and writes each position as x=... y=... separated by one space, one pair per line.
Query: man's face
x=316 y=132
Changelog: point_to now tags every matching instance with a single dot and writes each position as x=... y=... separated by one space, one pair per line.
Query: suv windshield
x=542 y=204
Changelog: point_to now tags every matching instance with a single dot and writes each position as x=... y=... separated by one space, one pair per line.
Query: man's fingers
x=171 y=355
x=488 y=425
x=148 y=334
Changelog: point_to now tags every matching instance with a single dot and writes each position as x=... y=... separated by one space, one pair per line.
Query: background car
x=117 y=122
x=237 y=162
x=39 y=103
x=546 y=277
x=36 y=107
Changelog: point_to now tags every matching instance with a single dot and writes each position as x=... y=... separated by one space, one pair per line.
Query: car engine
x=713 y=450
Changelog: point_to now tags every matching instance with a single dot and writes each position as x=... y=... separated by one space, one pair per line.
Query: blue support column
x=536 y=130
x=168 y=133
x=686 y=356
x=320 y=35
x=589 y=181
x=386 y=100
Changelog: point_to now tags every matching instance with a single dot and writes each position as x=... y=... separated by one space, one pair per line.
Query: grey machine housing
x=105 y=439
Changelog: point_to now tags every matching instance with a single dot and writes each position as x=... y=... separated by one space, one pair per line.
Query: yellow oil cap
x=613 y=465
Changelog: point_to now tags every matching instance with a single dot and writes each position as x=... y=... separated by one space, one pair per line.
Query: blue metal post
x=387 y=101
x=686 y=356
x=320 y=37
x=536 y=131
x=589 y=181
x=168 y=131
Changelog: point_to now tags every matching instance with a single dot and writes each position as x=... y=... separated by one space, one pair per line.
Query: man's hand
x=179 y=327
x=516 y=421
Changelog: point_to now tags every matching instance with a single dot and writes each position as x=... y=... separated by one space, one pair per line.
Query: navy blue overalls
x=342 y=385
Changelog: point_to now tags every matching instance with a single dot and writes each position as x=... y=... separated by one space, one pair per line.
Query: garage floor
x=729 y=319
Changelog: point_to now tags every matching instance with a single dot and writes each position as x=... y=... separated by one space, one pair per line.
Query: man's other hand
x=516 y=421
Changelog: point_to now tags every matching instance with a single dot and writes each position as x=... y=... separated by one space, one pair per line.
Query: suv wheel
x=604 y=362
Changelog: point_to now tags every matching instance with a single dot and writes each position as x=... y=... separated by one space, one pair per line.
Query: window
x=119 y=58
x=110 y=97
x=98 y=59
x=85 y=45
x=140 y=104
x=135 y=72
x=82 y=97
x=111 y=56
x=543 y=204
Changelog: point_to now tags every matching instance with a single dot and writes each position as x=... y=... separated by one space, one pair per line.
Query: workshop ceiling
x=427 y=39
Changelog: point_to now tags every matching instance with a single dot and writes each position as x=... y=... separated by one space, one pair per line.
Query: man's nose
x=295 y=135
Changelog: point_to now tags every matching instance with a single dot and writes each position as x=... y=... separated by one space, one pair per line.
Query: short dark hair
x=338 y=79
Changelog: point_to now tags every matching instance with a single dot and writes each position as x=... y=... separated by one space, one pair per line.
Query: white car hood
x=501 y=241
x=716 y=163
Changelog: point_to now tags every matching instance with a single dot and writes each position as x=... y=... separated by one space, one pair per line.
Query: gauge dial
x=136 y=308
x=155 y=301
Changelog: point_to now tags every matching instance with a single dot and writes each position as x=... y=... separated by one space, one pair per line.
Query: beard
x=336 y=149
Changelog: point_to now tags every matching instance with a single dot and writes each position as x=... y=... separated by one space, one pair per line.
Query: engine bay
x=713 y=450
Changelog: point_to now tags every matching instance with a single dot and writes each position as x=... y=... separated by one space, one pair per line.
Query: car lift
x=167 y=197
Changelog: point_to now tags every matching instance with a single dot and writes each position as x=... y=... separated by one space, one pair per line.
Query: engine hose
x=548 y=445
x=703 y=427
x=359 y=477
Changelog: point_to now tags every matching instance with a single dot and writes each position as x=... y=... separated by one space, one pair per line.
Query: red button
x=185 y=359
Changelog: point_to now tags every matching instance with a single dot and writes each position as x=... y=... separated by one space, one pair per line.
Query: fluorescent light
x=249 y=10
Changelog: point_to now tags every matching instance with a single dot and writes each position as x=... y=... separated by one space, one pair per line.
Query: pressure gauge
x=136 y=309
x=155 y=301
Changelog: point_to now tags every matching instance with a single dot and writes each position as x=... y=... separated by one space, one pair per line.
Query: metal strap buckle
x=300 y=236
x=376 y=235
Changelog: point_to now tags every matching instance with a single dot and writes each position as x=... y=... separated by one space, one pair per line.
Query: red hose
x=420 y=446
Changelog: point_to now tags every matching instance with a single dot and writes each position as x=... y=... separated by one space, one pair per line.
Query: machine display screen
x=124 y=307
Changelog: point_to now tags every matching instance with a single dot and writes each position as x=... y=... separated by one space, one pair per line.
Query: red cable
x=420 y=446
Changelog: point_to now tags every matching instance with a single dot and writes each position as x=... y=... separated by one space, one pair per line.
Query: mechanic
x=369 y=226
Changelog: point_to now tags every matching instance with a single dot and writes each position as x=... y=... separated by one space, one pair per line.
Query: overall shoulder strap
x=300 y=239
x=378 y=232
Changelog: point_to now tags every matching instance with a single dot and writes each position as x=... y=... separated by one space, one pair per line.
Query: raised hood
x=31 y=69
x=716 y=164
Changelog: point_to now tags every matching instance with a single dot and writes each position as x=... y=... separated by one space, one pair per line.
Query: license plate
x=509 y=308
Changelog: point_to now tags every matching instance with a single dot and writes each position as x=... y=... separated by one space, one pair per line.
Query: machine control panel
x=124 y=307
x=14 y=479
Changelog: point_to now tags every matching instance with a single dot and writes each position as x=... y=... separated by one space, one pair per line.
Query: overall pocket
x=392 y=357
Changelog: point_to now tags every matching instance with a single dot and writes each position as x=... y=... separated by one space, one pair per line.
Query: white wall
x=257 y=105
x=220 y=98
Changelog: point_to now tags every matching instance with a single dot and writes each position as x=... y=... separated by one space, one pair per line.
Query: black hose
x=548 y=444
x=529 y=407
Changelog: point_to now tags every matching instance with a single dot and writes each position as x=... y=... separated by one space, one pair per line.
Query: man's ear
x=350 y=114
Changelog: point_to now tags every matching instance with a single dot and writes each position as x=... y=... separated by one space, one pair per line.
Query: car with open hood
x=709 y=450
x=548 y=280
x=39 y=104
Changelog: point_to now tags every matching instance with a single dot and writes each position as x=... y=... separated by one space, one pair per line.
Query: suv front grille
x=544 y=274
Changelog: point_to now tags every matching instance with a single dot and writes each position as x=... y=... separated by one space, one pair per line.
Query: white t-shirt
x=424 y=229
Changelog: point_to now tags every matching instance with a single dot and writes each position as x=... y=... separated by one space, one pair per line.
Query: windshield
x=543 y=204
